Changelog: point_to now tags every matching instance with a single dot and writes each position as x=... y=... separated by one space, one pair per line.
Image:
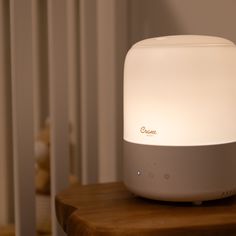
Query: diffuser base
x=177 y=173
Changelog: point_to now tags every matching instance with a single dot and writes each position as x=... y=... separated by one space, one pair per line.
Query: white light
x=180 y=91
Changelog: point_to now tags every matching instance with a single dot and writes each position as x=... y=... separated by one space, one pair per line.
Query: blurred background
x=99 y=34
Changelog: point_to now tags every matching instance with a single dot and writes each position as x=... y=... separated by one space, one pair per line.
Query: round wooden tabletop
x=109 y=209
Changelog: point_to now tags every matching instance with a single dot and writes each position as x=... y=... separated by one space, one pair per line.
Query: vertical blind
x=58 y=60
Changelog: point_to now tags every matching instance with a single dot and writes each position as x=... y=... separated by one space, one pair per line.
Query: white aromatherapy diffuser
x=180 y=118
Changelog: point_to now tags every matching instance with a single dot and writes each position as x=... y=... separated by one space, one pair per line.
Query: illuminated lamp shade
x=180 y=118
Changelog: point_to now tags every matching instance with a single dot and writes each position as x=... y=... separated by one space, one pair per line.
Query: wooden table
x=109 y=209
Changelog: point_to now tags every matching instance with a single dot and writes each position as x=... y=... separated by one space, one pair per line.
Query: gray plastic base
x=191 y=173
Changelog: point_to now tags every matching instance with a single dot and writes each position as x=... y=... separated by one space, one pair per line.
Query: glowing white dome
x=180 y=91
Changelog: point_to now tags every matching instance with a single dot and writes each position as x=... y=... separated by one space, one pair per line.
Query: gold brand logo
x=148 y=132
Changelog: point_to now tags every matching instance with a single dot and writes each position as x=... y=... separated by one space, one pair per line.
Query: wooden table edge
x=75 y=225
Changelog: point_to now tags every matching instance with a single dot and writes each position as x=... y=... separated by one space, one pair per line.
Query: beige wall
x=150 y=18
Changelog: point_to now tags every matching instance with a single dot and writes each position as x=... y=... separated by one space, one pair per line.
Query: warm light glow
x=180 y=90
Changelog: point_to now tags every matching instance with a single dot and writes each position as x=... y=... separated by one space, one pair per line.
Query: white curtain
x=96 y=45
x=103 y=45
